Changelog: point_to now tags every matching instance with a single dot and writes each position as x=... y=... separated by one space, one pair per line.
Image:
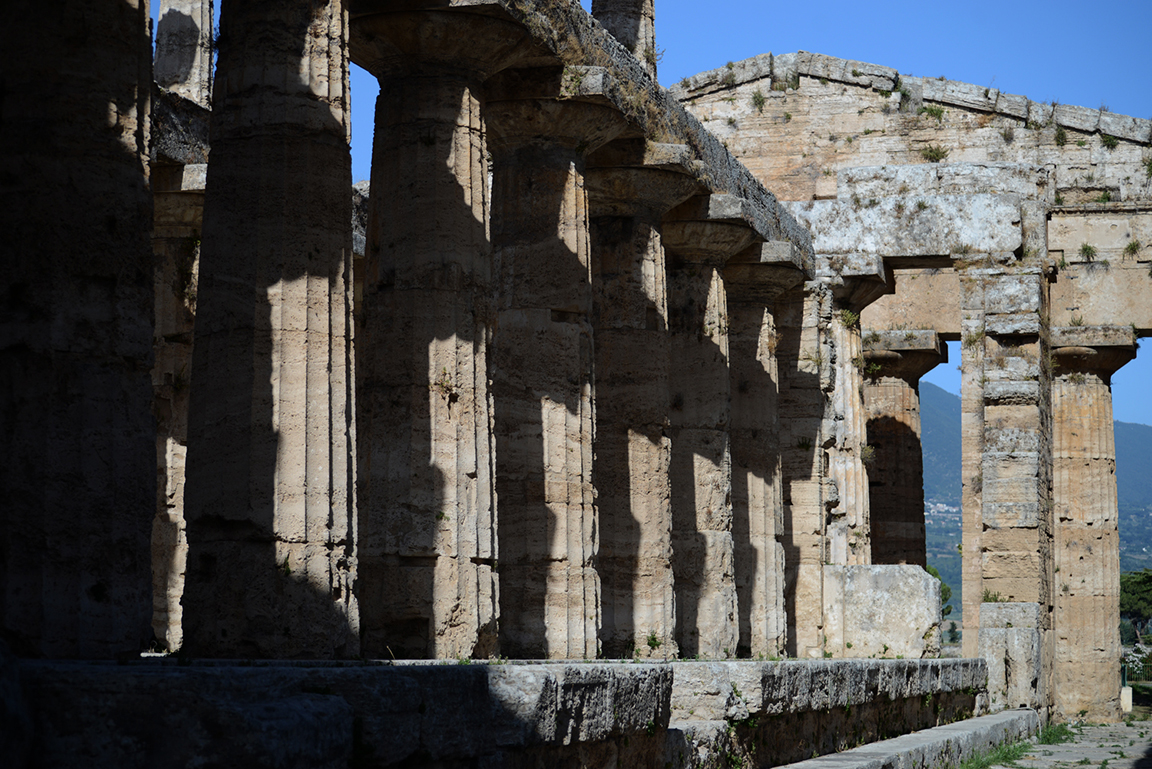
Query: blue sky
x=1073 y=52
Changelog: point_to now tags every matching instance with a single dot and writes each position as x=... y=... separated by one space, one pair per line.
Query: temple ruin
x=594 y=376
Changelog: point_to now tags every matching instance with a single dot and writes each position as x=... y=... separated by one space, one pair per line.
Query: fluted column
x=633 y=23
x=76 y=430
x=184 y=49
x=847 y=530
x=701 y=240
x=894 y=362
x=270 y=476
x=428 y=585
x=632 y=448
x=754 y=284
x=1086 y=675
x=542 y=368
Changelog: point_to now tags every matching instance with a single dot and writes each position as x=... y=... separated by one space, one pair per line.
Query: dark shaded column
x=633 y=23
x=755 y=279
x=76 y=428
x=270 y=474
x=542 y=363
x=701 y=235
x=632 y=448
x=894 y=362
x=1086 y=579
x=428 y=586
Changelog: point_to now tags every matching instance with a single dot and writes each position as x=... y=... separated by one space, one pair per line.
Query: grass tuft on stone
x=1055 y=734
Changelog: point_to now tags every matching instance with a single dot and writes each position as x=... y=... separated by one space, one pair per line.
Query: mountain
x=940 y=438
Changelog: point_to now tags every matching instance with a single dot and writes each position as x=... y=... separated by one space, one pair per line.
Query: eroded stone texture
x=76 y=429
x=542 y=366
x=184 y=49
x=179 y=203
x=881 y=610
x=270 y=475
x=700 y=420
x=847 y=529
x=427 y=505
x=894 y=361
x=632 y=447
x=1087 y=567
x=754 y=284
x=633 y=23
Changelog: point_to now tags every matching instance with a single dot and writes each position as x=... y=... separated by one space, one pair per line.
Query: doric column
x=542 y=367
x=76 y=428
x=184 y=49
x=755 y=280
x=1007 y=544
x=894 y=362
x=631 y=185
x=633 y=23
x=847 y=530
x=428 y=586
x=270 y=476
x=1086 y=676
x=701 y=235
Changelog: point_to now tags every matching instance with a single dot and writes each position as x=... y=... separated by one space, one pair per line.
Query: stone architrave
x=184 y=49
x=1086 y=579
x=894 y=362
x=427 y=518
x=700 y=236
x=270 y=474
x=542 y=362
x=755 y=280
x=627 y=199
x=76 y=428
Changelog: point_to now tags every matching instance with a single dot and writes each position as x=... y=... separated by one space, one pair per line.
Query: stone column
x=894 y=362
x=633 y=23
x=632 y=448
x=754 y=284
x=184 y=49
x=178 y=191
x=803 y=359
x=76 y=428
x=542 y=372
x=427 y=515
x=270 y=475
x=1086 y=580
x=702 y=235
x=1007 y=463
x=847 y=530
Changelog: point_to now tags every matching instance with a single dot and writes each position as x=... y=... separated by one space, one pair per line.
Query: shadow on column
x=275 y=266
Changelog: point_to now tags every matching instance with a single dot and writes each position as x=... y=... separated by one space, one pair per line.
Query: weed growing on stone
x=933 y=110
x=1109 y=142
x=1132 y=248
x=1105 y=197
x=1087 y=252
x=1081 y=143
x=758 y=100
x=729 y=78
x=992 y=597
x=1077 y=320
x=1061 y=136
x=849 y=318
x=1008 y=134
x=1055 y=734
x=934 y=153
x=921 y=205
x=787 y=117
x=1001 y=755
x=653 y=641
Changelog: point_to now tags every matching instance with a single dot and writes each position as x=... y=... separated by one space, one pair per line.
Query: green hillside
x=940 y=428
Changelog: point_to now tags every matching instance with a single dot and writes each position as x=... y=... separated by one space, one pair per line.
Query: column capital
x=857 y=280
x=908 y=355
x=709 y=229
x=437 y=41
x=1099 y=350
x=763 y=271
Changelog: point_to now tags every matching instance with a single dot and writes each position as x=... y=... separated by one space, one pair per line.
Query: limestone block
x=881 y=610
x=894 y=228
x=846 y=71
x=1080 y=118
x=1010 y=644
x=941 y=179
x=1125 y=127
x=1011 y=104
x=964 y=95
x=1012 y=392
x=1013 y=294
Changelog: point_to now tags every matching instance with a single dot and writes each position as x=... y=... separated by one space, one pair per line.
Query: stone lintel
x=640 y=153
x=856 y=279
x=942 y=179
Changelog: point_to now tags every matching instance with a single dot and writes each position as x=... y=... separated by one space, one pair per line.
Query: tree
x=945 y=593
x=1136 y=598
x=953 y=633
